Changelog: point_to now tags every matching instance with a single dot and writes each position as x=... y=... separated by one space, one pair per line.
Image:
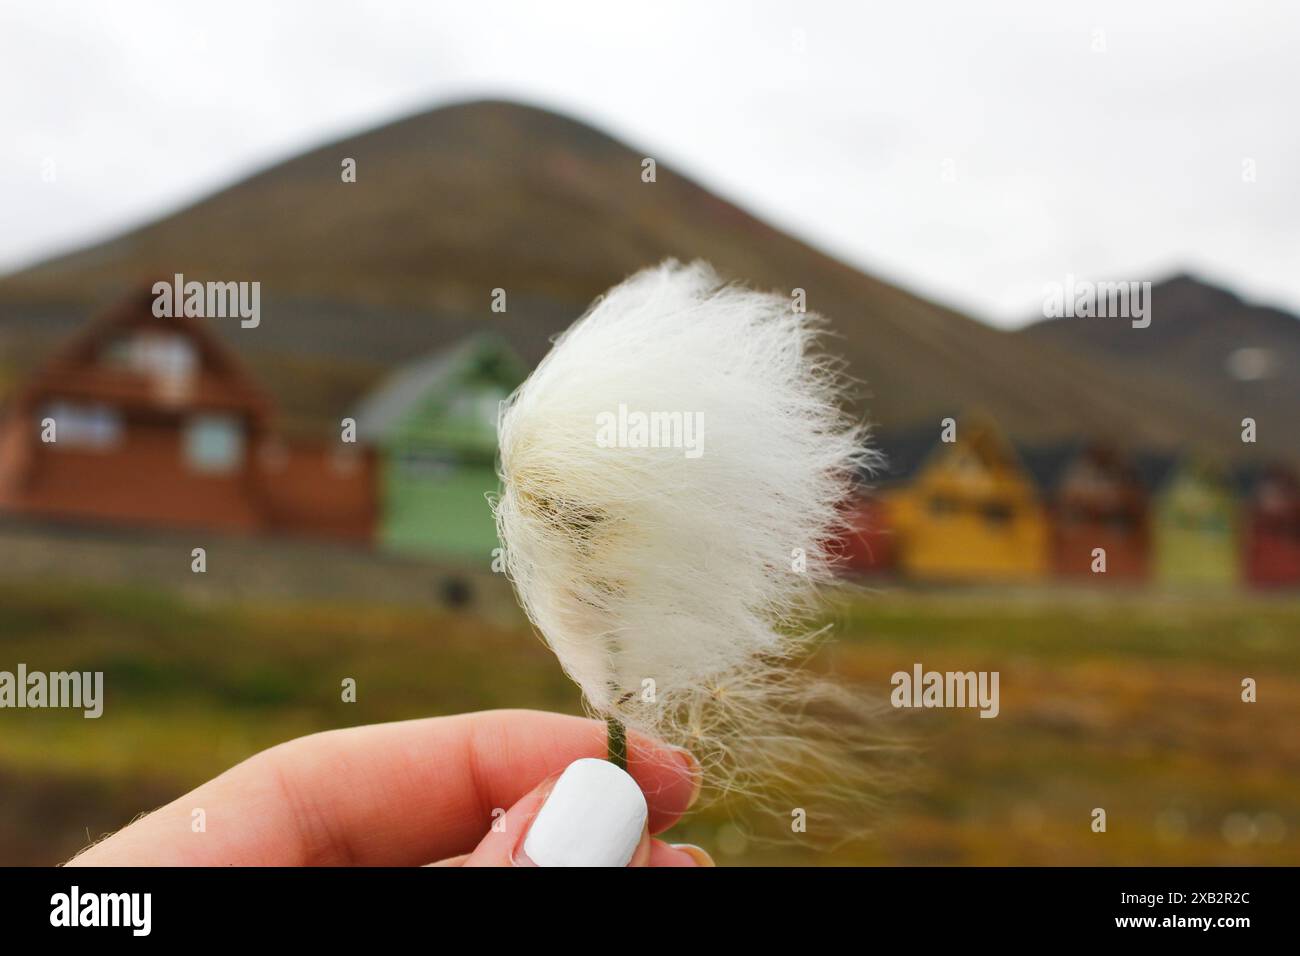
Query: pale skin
x=403 y=794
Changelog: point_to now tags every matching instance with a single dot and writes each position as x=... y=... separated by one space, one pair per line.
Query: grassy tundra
x=1130 y=703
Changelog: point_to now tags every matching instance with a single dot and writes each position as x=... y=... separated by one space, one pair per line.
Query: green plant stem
x=617 y=742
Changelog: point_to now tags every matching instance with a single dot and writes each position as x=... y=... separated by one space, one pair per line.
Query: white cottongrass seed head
x=673 y=577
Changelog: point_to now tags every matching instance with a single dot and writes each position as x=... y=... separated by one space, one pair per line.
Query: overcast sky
x=970 y=151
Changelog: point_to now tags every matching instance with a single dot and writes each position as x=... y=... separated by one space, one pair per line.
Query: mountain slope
x=453 y=203
x=1247 y=357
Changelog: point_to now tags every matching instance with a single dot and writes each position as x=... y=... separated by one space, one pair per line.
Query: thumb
x=593 y=814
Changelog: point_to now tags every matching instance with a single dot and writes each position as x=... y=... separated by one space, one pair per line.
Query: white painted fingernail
x=593 y=817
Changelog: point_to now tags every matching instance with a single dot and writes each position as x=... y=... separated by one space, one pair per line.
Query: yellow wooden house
x=970 y=513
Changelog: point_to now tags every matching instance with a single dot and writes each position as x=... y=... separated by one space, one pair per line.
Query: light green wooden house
x=1195 y=528
x=434 y=426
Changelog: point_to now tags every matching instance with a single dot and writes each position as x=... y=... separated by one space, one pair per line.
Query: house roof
x=388 y=405
x=1155 y=469
x=900 y=455
x=904 y=452
x=1047 y=464
x=1248 y=479
x=223 y=381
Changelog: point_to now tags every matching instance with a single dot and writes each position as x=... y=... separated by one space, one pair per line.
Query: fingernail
x=594 y=816
x=696 y=853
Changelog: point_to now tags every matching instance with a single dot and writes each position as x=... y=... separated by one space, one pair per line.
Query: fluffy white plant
x=672 y=581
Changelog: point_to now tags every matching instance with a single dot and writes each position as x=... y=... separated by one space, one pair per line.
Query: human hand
x=462 y=791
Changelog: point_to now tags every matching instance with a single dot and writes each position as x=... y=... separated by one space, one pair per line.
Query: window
x=1215 y=522
x=84 y=426
x=159 y=354
x=997 y=512
x=419 y=463
x=1122 y=521
x=489 y=405
x=214 y=444
x=477 y=405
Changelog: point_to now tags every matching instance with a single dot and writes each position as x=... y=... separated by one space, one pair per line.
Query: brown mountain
x=1244 y=357
x=454 y=203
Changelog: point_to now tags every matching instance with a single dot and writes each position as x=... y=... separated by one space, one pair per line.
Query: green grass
x=1126 y=702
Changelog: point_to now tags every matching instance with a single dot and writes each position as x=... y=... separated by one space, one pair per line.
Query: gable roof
x=979 y=435
x=388 y=405
x=904 y=454
x=1048 y=465
x=899 y=456
x=1192 y=477
x=223 y=382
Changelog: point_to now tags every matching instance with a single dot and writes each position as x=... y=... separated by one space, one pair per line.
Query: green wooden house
x=1194 y=529
x=434 y=426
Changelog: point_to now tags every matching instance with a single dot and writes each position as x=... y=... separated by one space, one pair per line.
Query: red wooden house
x=147 y=420
x=1100 y=502
x=868 y=543
x=865 y=543
x=1272 y=541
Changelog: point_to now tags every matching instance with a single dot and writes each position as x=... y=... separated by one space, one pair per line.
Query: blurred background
x=1106 y=514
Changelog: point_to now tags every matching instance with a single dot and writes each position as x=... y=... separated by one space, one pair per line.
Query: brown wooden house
x=1097 y=501
x=154 y=421
x=1272 y=539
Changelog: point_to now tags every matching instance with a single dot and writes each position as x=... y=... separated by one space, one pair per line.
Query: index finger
x=399 y=794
